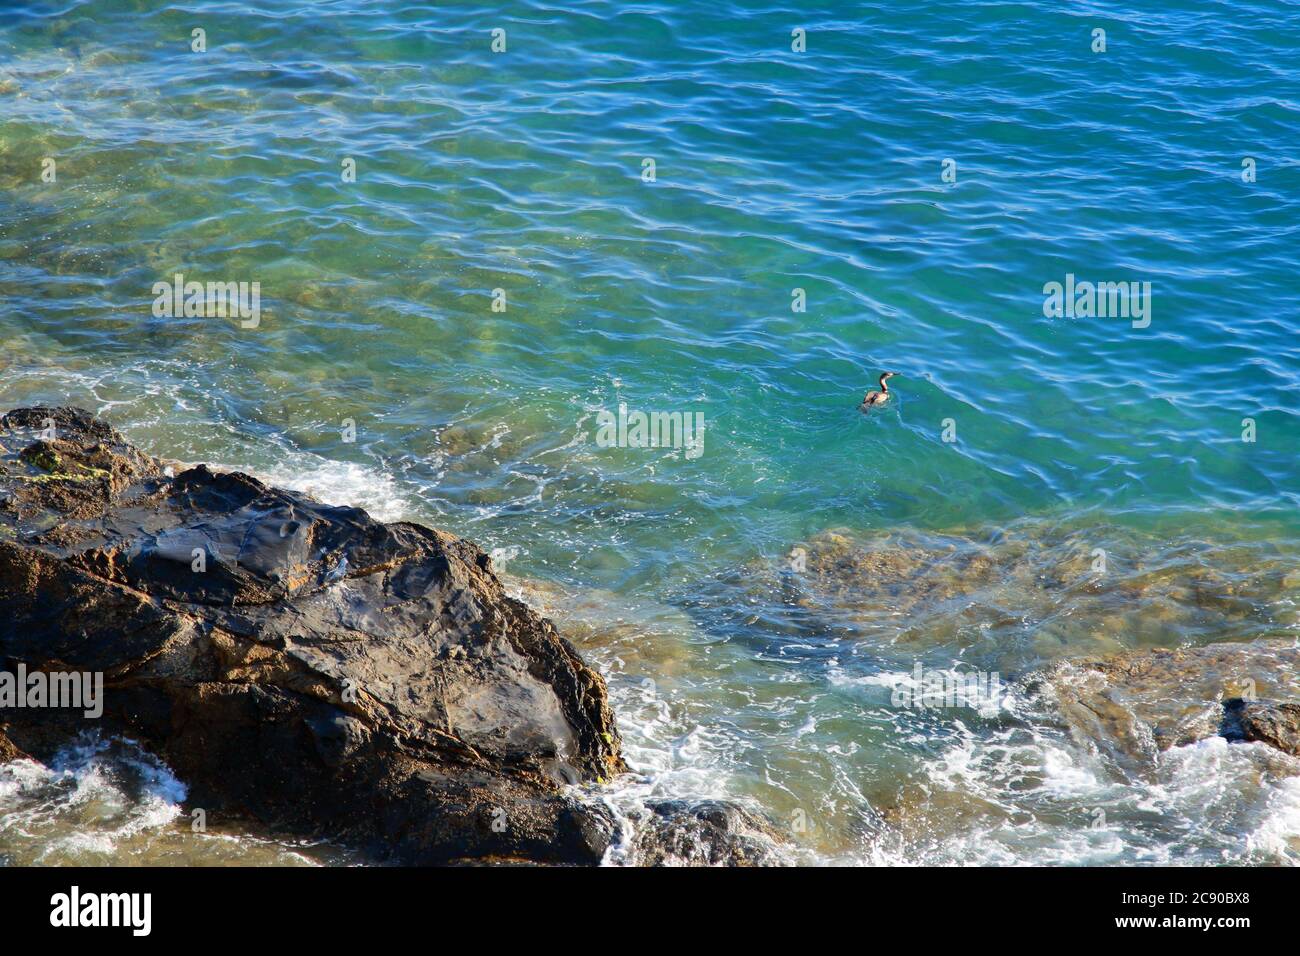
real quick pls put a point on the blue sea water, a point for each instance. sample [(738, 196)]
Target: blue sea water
[(519, 179)]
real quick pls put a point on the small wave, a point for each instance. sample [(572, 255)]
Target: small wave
[(98, 798), (341, 483), (107, 801)]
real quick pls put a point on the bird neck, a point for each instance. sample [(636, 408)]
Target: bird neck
[(884, 384)]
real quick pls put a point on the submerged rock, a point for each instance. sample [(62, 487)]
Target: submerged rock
[(294, 663), (1134, 705), (1014, 597)]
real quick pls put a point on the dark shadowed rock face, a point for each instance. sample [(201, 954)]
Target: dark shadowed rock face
[(1274, 723), (296, 663)]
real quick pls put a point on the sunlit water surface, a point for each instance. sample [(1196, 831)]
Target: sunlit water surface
[(734, 674)]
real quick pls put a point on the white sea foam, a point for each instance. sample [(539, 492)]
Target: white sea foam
[(106, 801), (95, 796), (340, 483), (503, 556), (1278, 833)]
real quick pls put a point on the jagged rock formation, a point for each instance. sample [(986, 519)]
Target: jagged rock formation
[(295, 663)]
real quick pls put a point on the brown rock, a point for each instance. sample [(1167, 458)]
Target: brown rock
[(293, 662), (1276, 724)]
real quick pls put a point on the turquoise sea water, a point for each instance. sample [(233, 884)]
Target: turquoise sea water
[(774, 170)]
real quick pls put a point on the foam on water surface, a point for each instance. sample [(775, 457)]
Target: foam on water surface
[(109, 802)]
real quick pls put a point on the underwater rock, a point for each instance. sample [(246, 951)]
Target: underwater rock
[(294, 663), (1134, 705), (1017, 596)]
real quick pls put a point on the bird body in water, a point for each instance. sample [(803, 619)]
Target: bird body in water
[(875, 399)]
